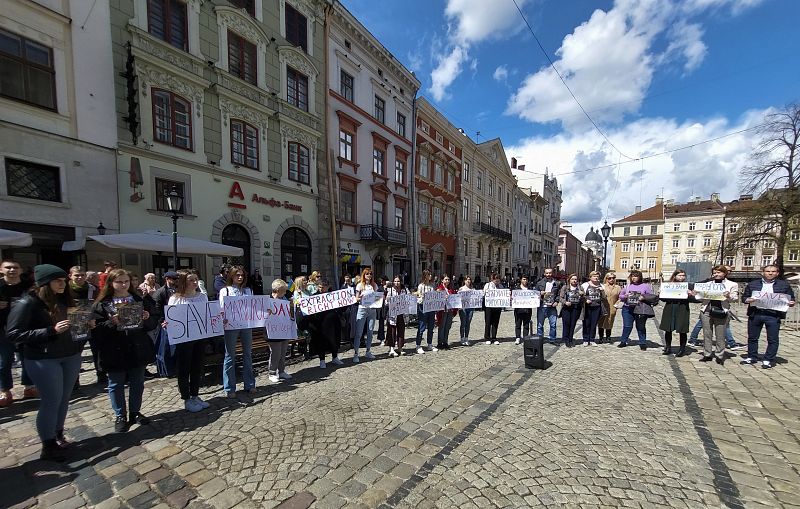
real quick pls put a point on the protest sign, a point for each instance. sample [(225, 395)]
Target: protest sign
[(573, 296), (710, 290), (471, 299), (372, 300), (280, 322), (433, 301), (672, 290), (129, 315), (525, 299), (454, 301), (497, 298), (79, 318), (245, 311), (773, 301), (633, 298), (593, 295), (548, 298), (403, 304), (189, 322), (320, 302)]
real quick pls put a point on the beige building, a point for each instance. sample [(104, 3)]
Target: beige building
[(692, 232), (638, 242)]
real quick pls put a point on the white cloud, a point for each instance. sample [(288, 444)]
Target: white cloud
[(501, 73), (447, 70), (687, 40)]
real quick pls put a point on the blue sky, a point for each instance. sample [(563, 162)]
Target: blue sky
[(655, 75)]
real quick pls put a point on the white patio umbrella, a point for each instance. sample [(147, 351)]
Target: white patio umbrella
[(159, 241), (14, 238)]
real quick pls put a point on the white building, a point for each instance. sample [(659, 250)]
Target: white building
[(692, 232), (57, 128), (547, 187), (523, 211)]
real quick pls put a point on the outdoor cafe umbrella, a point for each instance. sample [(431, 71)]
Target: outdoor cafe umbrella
[(14, 238), (162, 242)]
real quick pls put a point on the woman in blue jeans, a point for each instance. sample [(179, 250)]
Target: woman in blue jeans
[(38, 323), (123, 351), (236, 287), (465, 315), (365, 316), (426, 321), (630, 296)]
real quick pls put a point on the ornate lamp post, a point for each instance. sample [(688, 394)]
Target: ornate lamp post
[(175, 205), (101, 229), (605, 231)]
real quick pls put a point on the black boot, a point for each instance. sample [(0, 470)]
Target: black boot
[(667, 348), (51, 451), (682, 350)]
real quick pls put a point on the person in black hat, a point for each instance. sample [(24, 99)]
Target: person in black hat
[(38, 322)]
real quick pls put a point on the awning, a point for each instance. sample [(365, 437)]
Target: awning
[(162, 242), (350, 258), (15, 238)]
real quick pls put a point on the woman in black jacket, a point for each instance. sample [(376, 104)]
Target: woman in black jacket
[(675, 317), (124, 350), (38, 323)]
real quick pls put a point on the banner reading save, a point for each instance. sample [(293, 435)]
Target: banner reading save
[(325, 301), (188, 322)]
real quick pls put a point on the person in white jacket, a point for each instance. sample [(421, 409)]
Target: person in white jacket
[(716, 314)]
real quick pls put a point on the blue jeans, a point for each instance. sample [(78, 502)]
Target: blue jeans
[(444, 327), (364, 316), (229, 364), (55, 379), (6, 361), (754, 325), (465, 320), (698, 327), (116, 390), (628, 320), (426, 322), (552, 317), (591, 315)]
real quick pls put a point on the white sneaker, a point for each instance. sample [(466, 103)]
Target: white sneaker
[(369, 355), (586, 343), (517, 341), (488, 342), (337, 361), (283, 375), (392, 353), (420, 350), (356, 360), (274, 378), (432, 349), (592, 343), (322, 364), (192, 406), (202, 403), (496, 342), (465, 342)]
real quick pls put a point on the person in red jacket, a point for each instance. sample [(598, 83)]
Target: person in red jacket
[(108, 266), (445, 318)]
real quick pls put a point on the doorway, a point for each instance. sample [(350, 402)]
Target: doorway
[(237, 236), (295, 254)]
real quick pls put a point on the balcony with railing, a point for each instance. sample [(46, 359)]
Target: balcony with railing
[(491, 230), (379, 233)]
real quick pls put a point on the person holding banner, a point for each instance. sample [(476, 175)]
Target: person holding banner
[(325, 329), (425, 320), (465, 314), (767, 300), (716, 315), (189, 355), (593, 307), (550, 289), (444, 318), (571, 297), (634, 293), (491, 316), (611, 290), (123, 354), (675, 317), (522, 316), (277, 346), (396, 323), (236, 286), (366, 314)]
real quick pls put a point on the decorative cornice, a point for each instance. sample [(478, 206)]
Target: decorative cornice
[(149, 48), (290, 133), (255, 94), (149, 77), (234, 20), (232, 109), (298, 116), (295, 58)]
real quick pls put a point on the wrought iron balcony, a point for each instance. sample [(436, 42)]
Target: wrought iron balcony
[(380, 233), (491, 230)]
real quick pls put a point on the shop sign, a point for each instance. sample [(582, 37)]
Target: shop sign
[(237, 193)]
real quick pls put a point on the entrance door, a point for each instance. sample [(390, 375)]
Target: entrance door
[(235, 235), (295, 254)]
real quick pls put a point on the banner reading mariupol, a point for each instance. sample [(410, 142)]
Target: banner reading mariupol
[(773, 301), (189, 322), (281, 323), (246, 311), (525, 299), (325, 301), (499, 298), (710, 290), (454, 301), (403, 304), (672, 290), (434, 301), (471, 299)]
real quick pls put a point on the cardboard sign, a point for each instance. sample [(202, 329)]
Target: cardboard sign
[(593, 296), (548, 298), (280, 322), (434, 301), (320, 302), (79, 318), (524, 299), (773, 301), (372, 300), (403, 304), (454, 301), (193, 321), (129, 315), (471, 299), (711, 290), (633, 298), (499, 298), (671, 290), (246, 311)]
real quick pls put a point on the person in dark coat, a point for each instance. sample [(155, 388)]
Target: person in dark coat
[(675, 317), (325, 330), (123, 353), (38, 323), (758, 316)]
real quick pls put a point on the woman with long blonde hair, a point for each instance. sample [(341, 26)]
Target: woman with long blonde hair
[(366, 315)]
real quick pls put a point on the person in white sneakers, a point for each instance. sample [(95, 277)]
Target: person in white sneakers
[(366, 315), (491, 316), (522, 316), (594, 297), (277, 347), (396, 324), (465, 315), (426, 320)]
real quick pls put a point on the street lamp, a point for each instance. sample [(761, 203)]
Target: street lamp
[(101, 229), (605, 231), (174, 204)]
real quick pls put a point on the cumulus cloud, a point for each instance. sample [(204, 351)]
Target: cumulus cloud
[(501, 73), (687, 40), (447, 70)]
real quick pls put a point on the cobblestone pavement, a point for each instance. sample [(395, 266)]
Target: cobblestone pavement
[(468, 427)]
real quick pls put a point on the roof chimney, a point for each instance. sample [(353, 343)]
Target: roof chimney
[(637, 209), (698, 199), (670, 202), (659, 200), (745, 197), (714, 196)]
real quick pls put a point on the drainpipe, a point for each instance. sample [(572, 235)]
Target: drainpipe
[(329, 163), (412, 187)]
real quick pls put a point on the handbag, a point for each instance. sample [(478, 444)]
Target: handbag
[(644, 309), (715, 312)]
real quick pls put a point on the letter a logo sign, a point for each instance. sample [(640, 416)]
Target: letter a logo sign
[(236, 190)]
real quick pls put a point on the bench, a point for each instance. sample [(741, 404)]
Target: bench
[(215, 351)]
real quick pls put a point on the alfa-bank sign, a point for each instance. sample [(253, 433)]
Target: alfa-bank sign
[(237, 193)]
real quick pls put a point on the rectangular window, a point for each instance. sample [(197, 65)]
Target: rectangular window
[(401, 125), (689, 242), (794, 255), (377, 213), (423, 167), (399, 218), (707, 242), (31, 180), (750, 244), (424, 127), (439, 139), (299, 166), (244, 144), (247, 5), (400, 172), (423, 212), (437, 173), (674, 259), (345, 145), (654, 230), (380, 110), (637, 263), (639, 230), (478, 215), (437, 217), (172, 119), (623, 264), (490, 188), (729, 261), (296, 88), (347, 200), (652, 246), (692, 226), (378, 158), (795, 235), (769, 244), (163, 188), (748, 261), (450, 221), (626, 247), (676, 227), (626, 231), (346, 83), (709, 224), (296, 28), (733, 227), (451, 181), (479, 180), (465, 173), (27, 73), (639, 247), (766, 260), (676, 243), (167, 20), (242, 58), (465, 209), (489, 217), (466, 251)]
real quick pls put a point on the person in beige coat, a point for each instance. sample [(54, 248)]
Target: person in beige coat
[(611, 290)]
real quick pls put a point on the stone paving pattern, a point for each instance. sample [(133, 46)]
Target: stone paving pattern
[(469, 427)]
